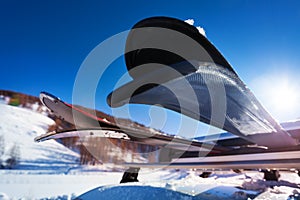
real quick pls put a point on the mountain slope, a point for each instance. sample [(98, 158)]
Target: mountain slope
[(18, 127)]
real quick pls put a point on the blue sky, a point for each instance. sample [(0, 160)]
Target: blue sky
[(43, 43)]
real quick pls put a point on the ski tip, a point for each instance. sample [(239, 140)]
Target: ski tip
[(38, 139), (46, 95), (44, 137)]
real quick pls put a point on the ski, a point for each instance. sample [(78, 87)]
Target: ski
[(201, 84)]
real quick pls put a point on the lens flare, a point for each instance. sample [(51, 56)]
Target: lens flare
[(279, 94)]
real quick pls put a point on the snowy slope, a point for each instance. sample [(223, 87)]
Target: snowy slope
[(220, 185), (157, 184), (49, 170), (19, 127)]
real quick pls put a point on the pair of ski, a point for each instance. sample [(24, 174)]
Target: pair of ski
[(174, 66)]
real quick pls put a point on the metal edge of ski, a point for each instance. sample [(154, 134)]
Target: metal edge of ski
[(109, 133)]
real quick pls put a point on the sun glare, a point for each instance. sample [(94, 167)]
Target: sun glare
[(279, 94), (283, 97)]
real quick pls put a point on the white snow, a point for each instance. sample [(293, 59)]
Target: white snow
[(19, 126), (50, 170), (188, 185), (220, 185), (200, 29)]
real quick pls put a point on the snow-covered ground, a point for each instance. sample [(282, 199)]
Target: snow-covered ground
[(49, 170), (221, 185), (156, 184), (19, 127)]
